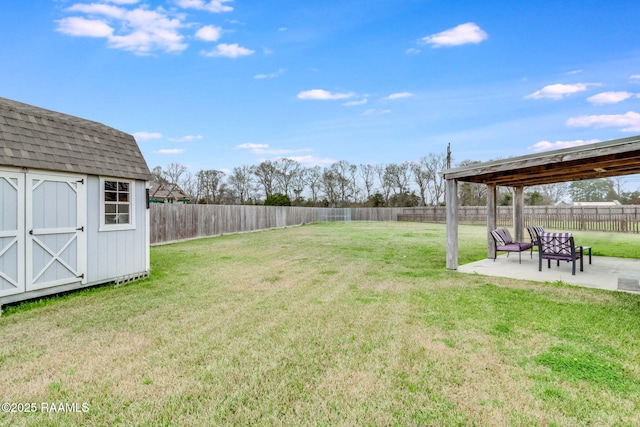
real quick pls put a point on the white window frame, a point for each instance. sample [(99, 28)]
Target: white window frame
[(132, 198)]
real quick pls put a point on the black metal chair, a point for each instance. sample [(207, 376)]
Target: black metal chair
[(504, 242), (559, 247)]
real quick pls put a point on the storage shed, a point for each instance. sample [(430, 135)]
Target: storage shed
[(73, 203)]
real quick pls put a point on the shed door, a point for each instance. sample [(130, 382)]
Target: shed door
[(11, 233), (55, 230)]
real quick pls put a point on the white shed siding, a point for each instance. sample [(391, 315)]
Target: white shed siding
[(115, 254)]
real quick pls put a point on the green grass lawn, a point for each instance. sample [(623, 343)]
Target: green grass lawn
[(327, 324)]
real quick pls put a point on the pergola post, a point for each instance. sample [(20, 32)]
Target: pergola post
[(452, 223), (492, 215), (518, 213)]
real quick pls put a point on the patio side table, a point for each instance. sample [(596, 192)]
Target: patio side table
[(588, 249)]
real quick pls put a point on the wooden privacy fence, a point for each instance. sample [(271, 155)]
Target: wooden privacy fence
[(176, 222), (623, 219)]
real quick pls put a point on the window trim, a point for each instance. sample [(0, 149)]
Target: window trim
[(132, 211)]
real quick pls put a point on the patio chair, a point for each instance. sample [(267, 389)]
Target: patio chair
[(534, 232), (504, 242), (559, 247)]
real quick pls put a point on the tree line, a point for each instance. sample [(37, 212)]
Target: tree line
[(342, 184)]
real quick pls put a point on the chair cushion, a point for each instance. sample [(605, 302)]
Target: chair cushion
[(502, 236), (514, 247)]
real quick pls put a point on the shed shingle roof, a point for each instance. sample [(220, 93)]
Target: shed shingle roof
[(33, 137)]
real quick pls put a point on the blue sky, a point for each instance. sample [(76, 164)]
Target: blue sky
[(215, 84)]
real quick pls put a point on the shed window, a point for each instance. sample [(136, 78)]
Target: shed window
[(117, 209), (117, 198)]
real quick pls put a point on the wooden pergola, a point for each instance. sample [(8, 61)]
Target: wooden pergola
[(606, 159)]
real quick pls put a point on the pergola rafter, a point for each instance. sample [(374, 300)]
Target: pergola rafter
[(606, 159)]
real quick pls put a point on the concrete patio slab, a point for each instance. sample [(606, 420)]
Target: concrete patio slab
[(603, 273)]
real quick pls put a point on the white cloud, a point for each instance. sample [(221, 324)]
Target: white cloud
[(214, 6), (209, 33), (99, 9), (559, 90), (270, 75), (254, 148), (138, 30), (170, 151), (320, 94), (547, 145), (399, 95), (462, 34), (609, 97), (186, 138), (354, 103), (412, 51), (144, 136), (134, 26), (628, 122), (635, 77), (229, 51), (375, 112), (574, 72), (81, 27)]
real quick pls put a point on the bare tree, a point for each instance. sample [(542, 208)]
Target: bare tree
[(266, 173), (330, 186), (553, 193), (397, 177), (368, 175), (422, 177), (158, 175), (173, 172), (470, 193), (241, 183), (211, 186), (384, 183), (434, 164), (189, 185), (618, 184), (313, 179), (286, 171), (345, 176), (298, 184), (342, 178)]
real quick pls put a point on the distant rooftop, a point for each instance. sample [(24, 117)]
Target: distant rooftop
[(597, 204)]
